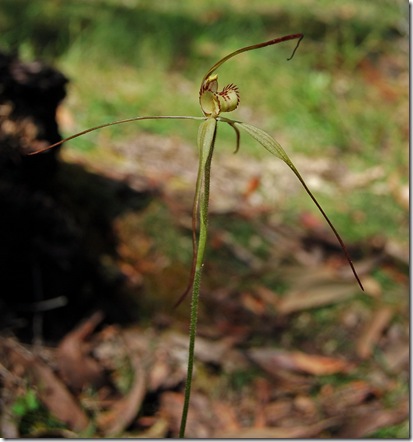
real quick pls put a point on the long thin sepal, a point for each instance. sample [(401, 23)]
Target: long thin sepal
[(114, 123), (252, 47), (276, 149)]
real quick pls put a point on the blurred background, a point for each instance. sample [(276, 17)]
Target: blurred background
[(275, 279)]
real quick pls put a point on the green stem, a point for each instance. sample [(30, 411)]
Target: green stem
[(206, 143)]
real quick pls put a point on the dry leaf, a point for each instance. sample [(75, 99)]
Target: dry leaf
[(171, 405), (278, 410), (320, 365), (336, 401), (262, 389), (50, 389), (305, 405), (199, 422), (365, 420), (160, 371), (122, 413), (298, 362), (158, 430), (225, 416), (76, 367), (313, 297), (279, 432), (398, 252), (208, 351), (397, 356), (373, 331)]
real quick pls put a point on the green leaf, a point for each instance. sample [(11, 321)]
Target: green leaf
[(26, 403), (269, 143), (206, 136)]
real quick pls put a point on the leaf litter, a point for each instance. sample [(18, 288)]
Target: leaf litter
[(287, 347), (258, 373)]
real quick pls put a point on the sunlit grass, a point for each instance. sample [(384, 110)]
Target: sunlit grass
[(147, 58)]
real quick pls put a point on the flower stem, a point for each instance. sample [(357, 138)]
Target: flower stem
[(206, 143)]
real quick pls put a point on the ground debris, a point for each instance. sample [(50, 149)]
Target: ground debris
[(142, 392), (50, 389)]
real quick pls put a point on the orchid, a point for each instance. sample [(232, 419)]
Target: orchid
[(213, 104)]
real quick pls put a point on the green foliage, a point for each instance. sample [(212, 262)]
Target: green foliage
[(400, 431), (33, 416), (25, 404), (239, 379)]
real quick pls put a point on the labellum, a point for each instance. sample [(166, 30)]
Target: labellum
[(214, 102)]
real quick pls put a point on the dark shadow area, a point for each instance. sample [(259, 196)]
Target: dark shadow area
[(55, 218)]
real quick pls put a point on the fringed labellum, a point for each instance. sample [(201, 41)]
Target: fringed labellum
[(213, 102)]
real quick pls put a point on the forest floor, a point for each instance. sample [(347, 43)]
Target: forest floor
[(288, 346)]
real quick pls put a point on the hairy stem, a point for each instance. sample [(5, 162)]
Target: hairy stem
[(206, 141)]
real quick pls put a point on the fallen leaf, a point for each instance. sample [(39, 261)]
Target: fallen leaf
[(160, 371), (373, 331), (267, 296), (167, 369), (51, 391), (285, 379), (397, 356), (298, 361), (397, 251), (313, 297), (364, 421), (336, 401), (225, 416), (252, 185), (305, 405), (76, 367), (252, 303), (199, 421), (157, 431), (320, 365), (171, 405), (262, 388), (122, 413), (277, 410), (305, 431), (208, 351)]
